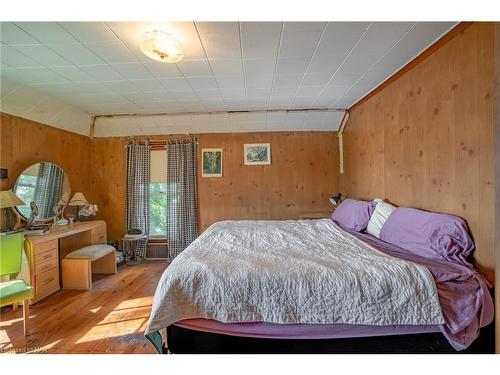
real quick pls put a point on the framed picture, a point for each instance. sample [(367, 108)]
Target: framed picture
[(257, 154), (211, 162)]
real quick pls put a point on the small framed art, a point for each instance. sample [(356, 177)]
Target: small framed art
[(257, 153), (211, 162)]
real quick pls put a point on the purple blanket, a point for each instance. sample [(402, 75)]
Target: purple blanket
[(463, 292)]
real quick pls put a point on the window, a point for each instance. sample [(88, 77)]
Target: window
[(158, 194), (25, 189)]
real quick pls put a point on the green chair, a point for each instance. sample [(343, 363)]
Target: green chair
[(14, 291)]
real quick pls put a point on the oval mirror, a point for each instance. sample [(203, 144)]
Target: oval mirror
[(46, 184)]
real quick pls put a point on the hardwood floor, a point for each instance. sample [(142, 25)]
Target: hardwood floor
[(109, 318)]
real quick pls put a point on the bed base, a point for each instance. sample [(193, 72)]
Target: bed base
[(186, 341)]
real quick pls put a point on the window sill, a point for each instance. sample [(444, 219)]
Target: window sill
[(158, 240)]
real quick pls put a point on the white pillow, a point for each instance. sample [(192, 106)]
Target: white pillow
[(379, 216)]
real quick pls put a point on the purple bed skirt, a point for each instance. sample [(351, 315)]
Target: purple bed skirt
[(301, 331)]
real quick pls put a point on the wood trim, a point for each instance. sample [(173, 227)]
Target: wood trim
[(158, 241), (417, 60), (343, 123), (92, 127)]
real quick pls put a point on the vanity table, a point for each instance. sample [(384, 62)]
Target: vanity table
[(45, 186), (45, 253)]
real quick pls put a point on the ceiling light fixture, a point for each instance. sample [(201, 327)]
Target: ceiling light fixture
[(161, 46)]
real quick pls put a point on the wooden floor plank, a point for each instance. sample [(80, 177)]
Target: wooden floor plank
[(109, 318)]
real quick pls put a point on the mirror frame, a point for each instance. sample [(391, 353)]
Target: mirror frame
[(21, 218)]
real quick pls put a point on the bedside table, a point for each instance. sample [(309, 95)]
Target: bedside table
[(315, 215)]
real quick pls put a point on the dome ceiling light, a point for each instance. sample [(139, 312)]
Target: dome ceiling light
[(161, 46)]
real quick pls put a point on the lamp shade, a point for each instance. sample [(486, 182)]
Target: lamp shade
[(9, 199), (78, 200)]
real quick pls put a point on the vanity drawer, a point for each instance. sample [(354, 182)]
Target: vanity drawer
[(41, 267), (47, 282), (46, 246), (46, 256)]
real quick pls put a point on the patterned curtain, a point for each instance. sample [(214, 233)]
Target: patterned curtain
[(137, 196), (48, 189), (182, 210)]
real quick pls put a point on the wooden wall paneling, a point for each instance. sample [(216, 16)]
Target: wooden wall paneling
[(108, 160), (497, 181), (302, 175), (25, 142), (426, 139)]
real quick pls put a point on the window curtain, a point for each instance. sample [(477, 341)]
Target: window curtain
[(48, 188), (182, 210), (137, 197)]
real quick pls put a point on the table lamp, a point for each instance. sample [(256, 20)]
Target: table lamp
[(9, 200), (78, 200)]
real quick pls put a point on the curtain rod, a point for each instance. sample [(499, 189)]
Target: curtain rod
[(162, 142)]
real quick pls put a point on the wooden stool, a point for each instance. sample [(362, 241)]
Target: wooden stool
[(78, 266)]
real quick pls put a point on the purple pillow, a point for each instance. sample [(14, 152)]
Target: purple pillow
[(353, 214), (429, 234)]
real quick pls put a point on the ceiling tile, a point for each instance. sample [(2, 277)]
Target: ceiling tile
[(259, 66), (87, 32), (232, 93), (112, 52), (121, 86), (102, 72), (325, 63), (316, 79), (12, 35), (259, 81), (76, 53), (309, 91), (43, 55), (10, 56), (8, 86), (260, 39), (257, 93), (230, 82), (147, 85), (222, 46), (202, 83), (294, 65), (133, 71), (162, 70), (287, 80), (211, 94), (72, 73), (206, 28), (194, 68), (304, 26), (46, 32), (343, 79), (340, 37), (33, 76), (176, 84), (227, 67), (299, 43)]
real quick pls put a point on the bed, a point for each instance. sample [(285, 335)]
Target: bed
[(313, 286)]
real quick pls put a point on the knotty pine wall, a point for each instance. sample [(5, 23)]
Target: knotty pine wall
[(25, 142), (427, 139), (303, 174)]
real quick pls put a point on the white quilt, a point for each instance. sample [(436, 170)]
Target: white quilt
[(307, 271)]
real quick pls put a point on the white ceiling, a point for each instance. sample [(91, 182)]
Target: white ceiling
[(91, 68)]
